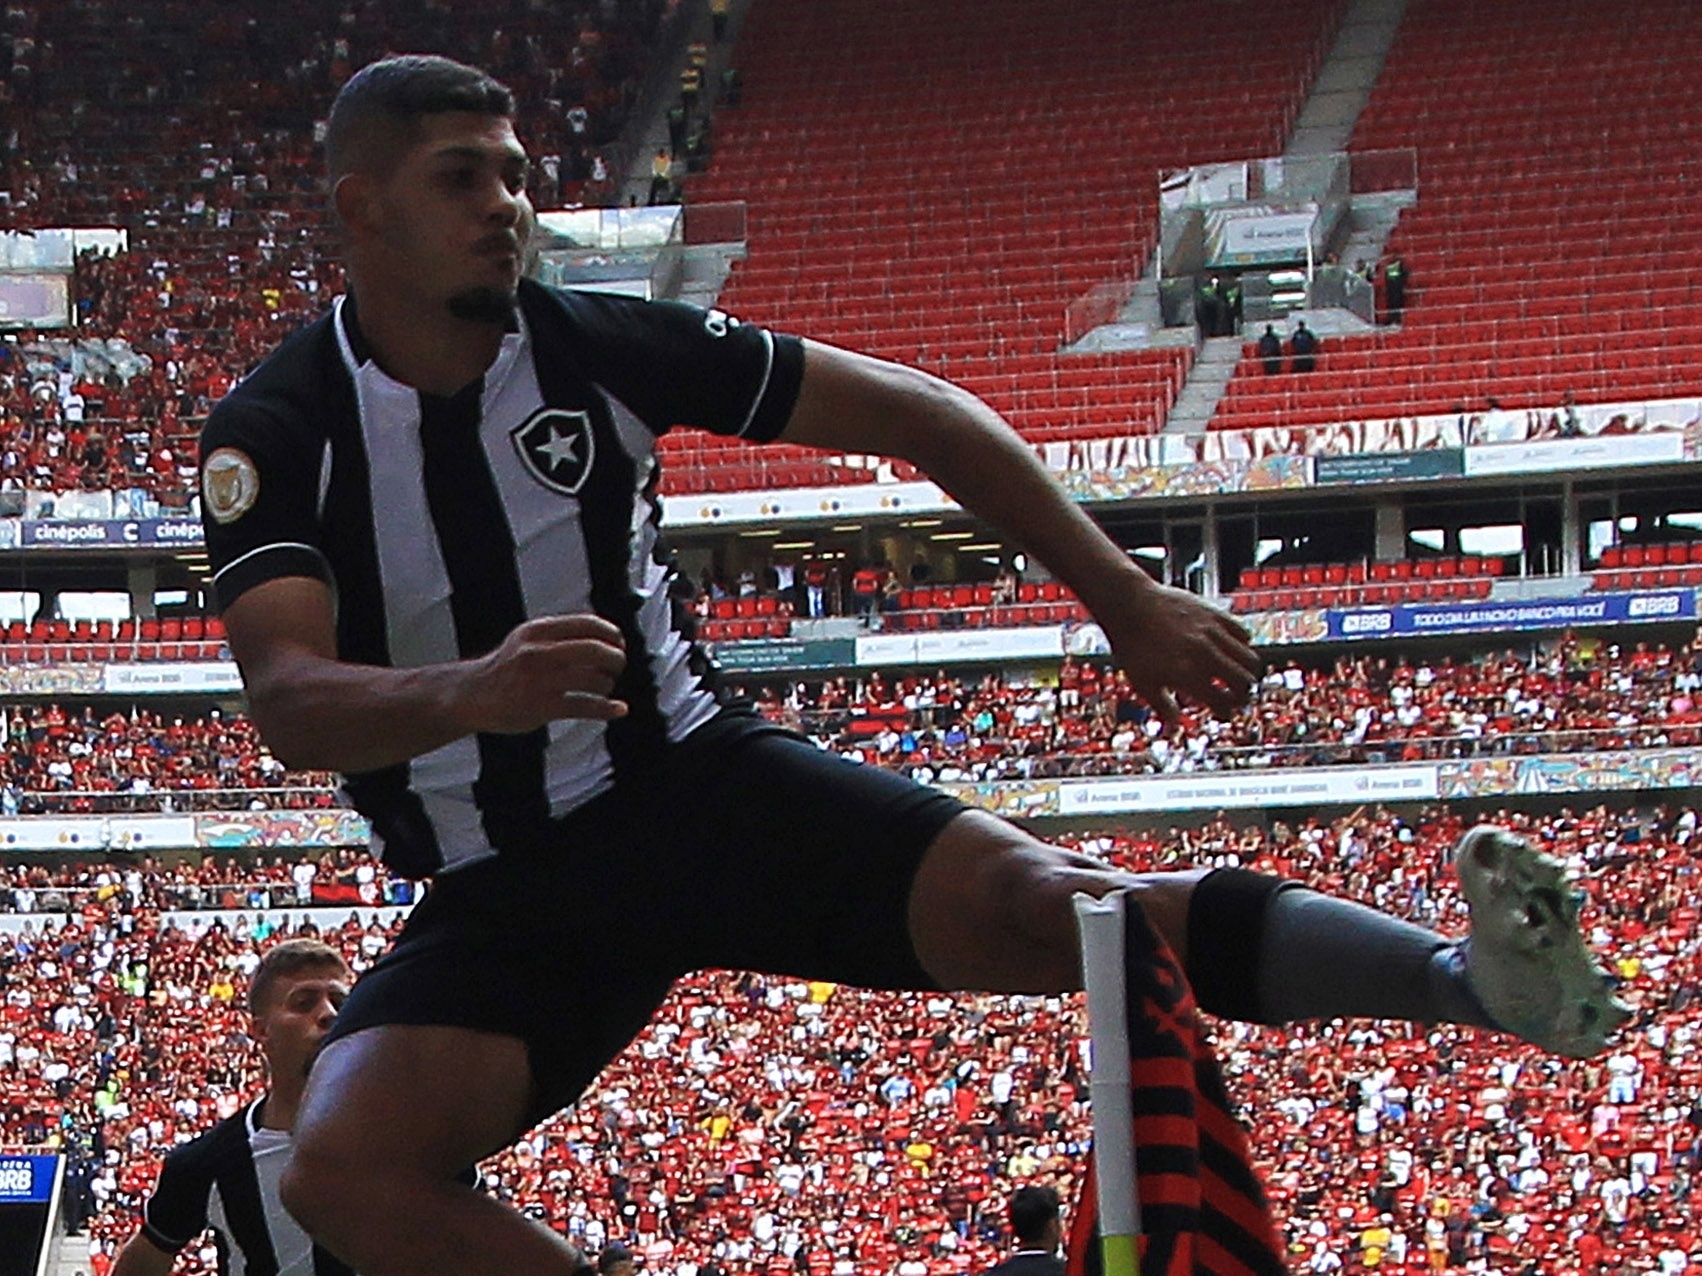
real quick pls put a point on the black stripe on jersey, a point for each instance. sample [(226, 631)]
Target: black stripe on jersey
[(605, 520), (385, 796), (485, 600), (245, 1211)]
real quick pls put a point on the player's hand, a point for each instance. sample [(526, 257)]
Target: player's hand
[(1172, 643), (546, 669)]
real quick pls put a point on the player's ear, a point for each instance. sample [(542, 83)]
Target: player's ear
[(354, 198)]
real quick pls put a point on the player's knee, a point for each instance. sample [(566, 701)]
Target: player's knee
[(304, 1190), (320, 1191)]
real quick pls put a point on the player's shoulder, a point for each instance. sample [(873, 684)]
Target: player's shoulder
[(289, 387), (595, 315), (211, 1152)]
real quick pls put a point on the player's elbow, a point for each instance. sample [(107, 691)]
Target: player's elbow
[(278, 708), (939, 418)]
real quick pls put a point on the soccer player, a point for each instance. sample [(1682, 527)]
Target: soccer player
[(227, 1179), (434, 524)]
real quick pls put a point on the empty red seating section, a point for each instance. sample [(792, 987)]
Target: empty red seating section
[(1664, 566), (1554, 246), (1360, 584), (744, 619), (935, 181), (103, 641), (979, 606)]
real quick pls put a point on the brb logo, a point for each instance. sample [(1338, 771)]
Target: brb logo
[(1367, 622), (1653, 605), (17, 1178)]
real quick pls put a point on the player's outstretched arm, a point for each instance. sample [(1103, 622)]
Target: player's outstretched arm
[(1168, 640), (141, 1257), (317, 712)]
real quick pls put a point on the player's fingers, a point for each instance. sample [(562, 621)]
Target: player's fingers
[(1222, 698), (582, 704), (573, 654), (579, 625), (1232, 643), (1224, 664), (1234, 628), (1164, 705)]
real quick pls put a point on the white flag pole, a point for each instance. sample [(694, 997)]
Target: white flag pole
[(1101, 924)]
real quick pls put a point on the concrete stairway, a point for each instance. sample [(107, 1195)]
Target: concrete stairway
[(1205, 385), (1325, 124), (1347, 77)]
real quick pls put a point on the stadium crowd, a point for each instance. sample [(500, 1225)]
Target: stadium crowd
[(199, 141), (1580, 695), (769, 1125), (71, 761), (347, 876)]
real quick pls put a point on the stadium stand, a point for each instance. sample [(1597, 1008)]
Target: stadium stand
[(944, 208), (350, 877), (76, 760), (769, 1125), (1578, 696), (1443, 578), (1551, 246), (207, 161)]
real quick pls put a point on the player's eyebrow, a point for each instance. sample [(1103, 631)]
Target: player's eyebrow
[(502, 154)]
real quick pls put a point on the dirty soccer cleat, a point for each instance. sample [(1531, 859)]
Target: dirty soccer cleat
[(1525, 959)]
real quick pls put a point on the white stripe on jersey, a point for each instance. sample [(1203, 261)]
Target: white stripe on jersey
[(219, 1221), (292, 1248), (554, 569), (685, 703)]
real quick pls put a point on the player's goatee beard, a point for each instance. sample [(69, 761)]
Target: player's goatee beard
[(483, 305)]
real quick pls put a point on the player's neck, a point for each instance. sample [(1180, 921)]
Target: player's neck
[(438, 354), (282, 1102)]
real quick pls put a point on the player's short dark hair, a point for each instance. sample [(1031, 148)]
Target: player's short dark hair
[(611, 1255), (291, 957), (1032, 1209), (378, 111)]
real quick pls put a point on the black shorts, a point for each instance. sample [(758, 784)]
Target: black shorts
[(750, 849)]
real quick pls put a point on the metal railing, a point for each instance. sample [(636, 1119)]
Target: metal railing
[(175, 896), (298, 797), (1049, 764)]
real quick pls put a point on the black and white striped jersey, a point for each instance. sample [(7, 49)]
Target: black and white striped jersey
[(227, 1180), (442, 523)]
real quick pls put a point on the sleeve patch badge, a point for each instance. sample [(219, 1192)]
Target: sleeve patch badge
[(229, 484)]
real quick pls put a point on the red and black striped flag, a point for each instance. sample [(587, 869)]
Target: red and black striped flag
[(1202, 1206)]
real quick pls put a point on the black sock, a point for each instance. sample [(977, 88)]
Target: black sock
[(1265, 950), (1326, 958)]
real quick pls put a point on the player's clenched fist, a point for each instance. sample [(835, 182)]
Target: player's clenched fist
[(549, 668)]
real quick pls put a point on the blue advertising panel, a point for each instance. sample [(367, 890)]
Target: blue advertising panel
[(26, 1179), (1410, 619), (115, 533)]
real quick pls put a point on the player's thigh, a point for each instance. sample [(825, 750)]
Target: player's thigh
[(419, 1099), (530, 950), (992, 906), (798, 862)]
